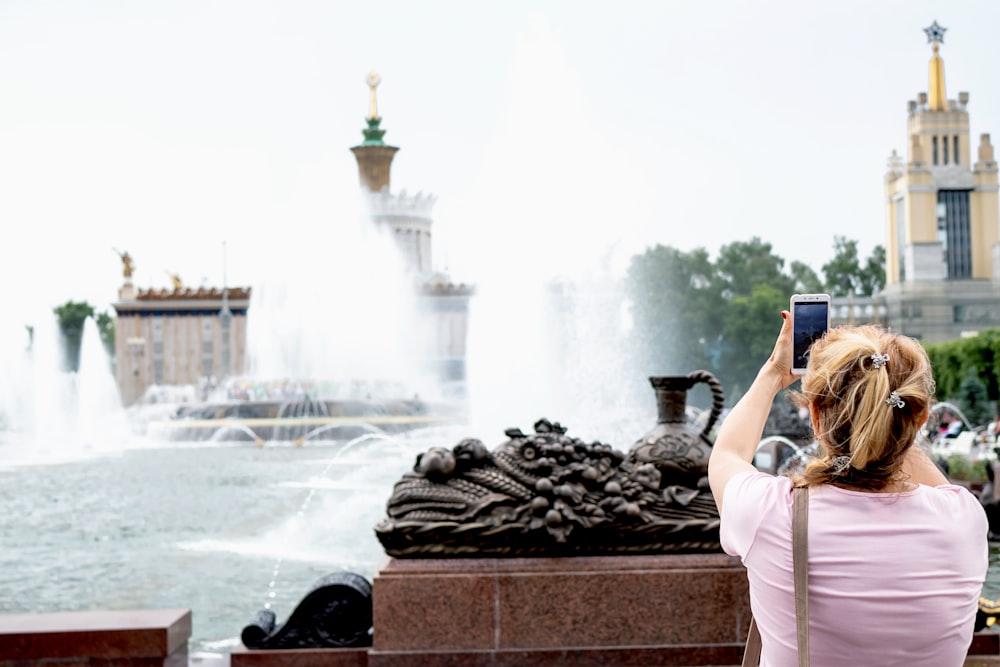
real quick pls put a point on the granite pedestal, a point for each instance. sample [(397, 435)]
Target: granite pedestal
[(603, 610), (633, 611)]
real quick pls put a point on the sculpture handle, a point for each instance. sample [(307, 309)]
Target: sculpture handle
[(718, 398)]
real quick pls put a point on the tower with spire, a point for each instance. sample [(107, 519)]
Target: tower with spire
[(943, 220), (408, 217), (444, 305), (374, 156)]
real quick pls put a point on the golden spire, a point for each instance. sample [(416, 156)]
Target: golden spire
[(935, 91), (373, 80)]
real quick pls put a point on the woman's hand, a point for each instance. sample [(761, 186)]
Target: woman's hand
[(779, 365)]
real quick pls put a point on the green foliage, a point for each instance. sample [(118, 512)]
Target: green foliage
[(106, 327), (689, 312), (972, 398), (674, 309), (806, 280), (872, 276), (845, 275), (962, 468), (754, 289), (947, 368), (841, 272), (742, 265), (966, 372), (751, 325), (71, 316)]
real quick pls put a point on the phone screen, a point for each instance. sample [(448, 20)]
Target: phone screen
[(810, 322)]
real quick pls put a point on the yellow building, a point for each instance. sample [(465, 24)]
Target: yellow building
[(942, 255)]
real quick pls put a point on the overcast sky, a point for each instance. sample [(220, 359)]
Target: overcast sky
[(571, 134)]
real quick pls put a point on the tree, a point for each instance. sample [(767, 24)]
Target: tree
[(961, 365), (689, 312), (872, 278), (71, 316), (750, 329), (972, 398), (842, 272), (741, 265), (106, 327), (674, 308), (756, 289), (806, 280)]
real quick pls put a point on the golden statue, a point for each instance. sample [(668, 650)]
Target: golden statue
[(175, 278), (128, 266), (373, 80)]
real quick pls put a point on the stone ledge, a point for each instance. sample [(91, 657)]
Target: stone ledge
[(300, 657), (986, 643), (667, 656), (644, 656), (108, 637), (410, 567)]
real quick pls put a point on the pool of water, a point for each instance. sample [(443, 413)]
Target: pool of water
[(222, 529)]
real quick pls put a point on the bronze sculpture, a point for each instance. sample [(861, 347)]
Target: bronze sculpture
[(539, 494), (549, 494)]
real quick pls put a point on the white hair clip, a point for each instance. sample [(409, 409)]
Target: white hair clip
[(840, 464), (895, 400), (879, 360)]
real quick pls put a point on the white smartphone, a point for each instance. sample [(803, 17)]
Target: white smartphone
[(810, 320)]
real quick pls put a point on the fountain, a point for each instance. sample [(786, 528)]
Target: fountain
[(345, 292), (50, 414), (101, 421), (15, 344), (218, 526), (335, 344), (332, 308)]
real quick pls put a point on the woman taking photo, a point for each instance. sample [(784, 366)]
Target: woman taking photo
[(896, 555)]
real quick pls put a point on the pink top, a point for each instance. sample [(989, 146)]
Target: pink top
[(894, 579)]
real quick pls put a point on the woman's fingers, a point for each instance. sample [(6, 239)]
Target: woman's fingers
[(781, 357)]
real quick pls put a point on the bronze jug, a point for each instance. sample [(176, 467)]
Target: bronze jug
[(678, 450)]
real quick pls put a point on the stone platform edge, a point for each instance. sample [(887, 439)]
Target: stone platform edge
[(148, 636), (984, 652)]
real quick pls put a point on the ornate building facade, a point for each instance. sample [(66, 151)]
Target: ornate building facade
[(181, 336), (943, 221)]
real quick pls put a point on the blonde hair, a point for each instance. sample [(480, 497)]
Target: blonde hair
[(849, 390)]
